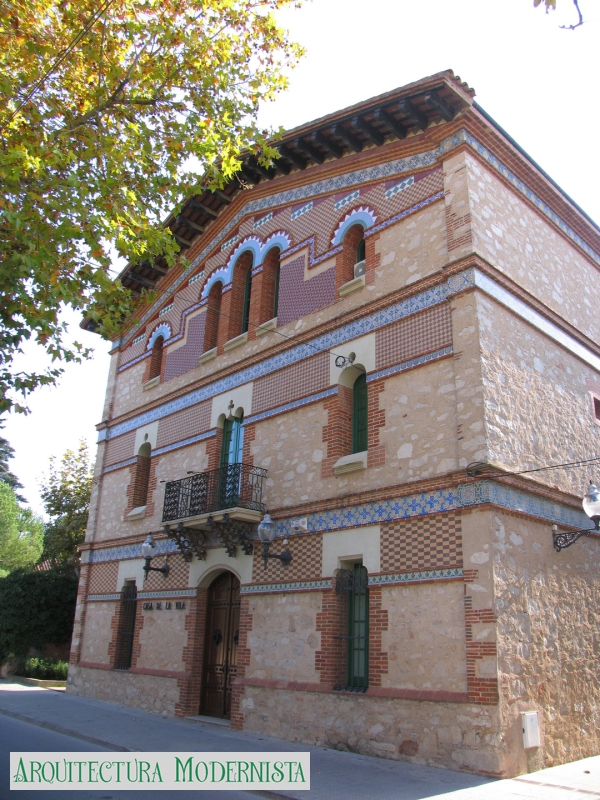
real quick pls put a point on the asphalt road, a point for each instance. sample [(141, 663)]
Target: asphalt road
[(20, 736)]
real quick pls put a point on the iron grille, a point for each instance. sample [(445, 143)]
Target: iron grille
[(231, 486), (353, 640), (126, 627)]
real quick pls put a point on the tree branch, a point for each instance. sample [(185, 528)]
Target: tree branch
[(572, 27)]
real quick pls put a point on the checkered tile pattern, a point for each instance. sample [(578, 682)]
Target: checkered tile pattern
[(184, 424), (422, 543), (185, 358), (119, 449), (103, 578), (411, 337), (301, 379), (178, 576), (307, 553)]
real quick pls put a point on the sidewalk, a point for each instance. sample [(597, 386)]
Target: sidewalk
[(334, 775)]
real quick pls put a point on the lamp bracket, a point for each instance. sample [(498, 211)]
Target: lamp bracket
[(190, 541), (284, 557), (565, 539)]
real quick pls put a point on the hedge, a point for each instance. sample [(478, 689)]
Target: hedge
[(36, 608)]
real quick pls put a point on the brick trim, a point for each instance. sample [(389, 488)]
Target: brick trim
[(378, 623), (483, 691), (236, 718), (189, 682)]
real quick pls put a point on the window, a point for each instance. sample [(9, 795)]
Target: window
[(276, 293), (352, 253), (230, 474), (360, 415), (213, 313), (247, 295), (141, 477), (360, 251), (126, 626), (596, 401), (156, 358), (269, 299), (353, 592)]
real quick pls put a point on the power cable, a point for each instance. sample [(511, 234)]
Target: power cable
[(474, 469), (58, 61)]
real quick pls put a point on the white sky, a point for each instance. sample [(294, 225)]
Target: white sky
[(537, 81)]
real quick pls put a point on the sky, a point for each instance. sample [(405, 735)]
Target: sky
[(537, 81)]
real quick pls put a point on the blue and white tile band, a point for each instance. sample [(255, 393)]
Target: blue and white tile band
[(416, 577), (414, 505), (292, 586)]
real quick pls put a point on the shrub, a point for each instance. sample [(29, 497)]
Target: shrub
[(43, 669), (38, 607)]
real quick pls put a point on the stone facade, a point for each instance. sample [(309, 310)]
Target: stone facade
[(476, 344)]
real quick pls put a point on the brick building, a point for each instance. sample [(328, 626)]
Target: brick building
[(404, 293)]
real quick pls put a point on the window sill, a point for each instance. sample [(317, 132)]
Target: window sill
[(137, 513), (352, 286), (351, 463), (266, 327), (233, 343), (208, 356), (152, 383)]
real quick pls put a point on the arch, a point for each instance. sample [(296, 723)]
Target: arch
[(164, 330), (239, 298), (220, 275), (141, 476), (363, 216), (156, 358), (278, 239), (270, 285), (213, 572), (352, 244), (213, 316)]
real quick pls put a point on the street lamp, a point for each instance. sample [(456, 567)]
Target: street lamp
[(266, 534), (591, 506), (148, 552)]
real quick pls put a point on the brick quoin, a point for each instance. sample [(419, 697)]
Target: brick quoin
[(249, 437), (328, 660), (243, 661), (213, 449), (483, 691), (458, 229), (80, 611), (190, 686), (372, 259), (337, 433), (378, 622)]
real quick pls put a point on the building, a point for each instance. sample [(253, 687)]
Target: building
[(376, 338)]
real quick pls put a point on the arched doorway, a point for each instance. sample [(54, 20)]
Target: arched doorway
[(220, 646)]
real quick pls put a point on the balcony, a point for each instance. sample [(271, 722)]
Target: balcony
[(234, 491)]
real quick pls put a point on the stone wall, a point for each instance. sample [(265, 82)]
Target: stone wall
[(147, 692)]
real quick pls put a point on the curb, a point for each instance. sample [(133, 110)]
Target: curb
[(66, 731)]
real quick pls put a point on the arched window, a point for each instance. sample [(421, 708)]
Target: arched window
[(213, 314), (241, 290), (156, 358), (360, 415), (270, 285), (141, 477), (353, 253)]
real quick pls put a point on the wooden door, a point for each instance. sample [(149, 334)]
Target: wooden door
[(220, 648)]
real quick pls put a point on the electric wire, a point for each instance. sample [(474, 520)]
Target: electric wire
[(58, 61), (476, 467)]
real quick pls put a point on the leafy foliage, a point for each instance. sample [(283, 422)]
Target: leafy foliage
[(110, 111), (66, 496), (43, 669), (21, 533), (38, 607), (6, 476)]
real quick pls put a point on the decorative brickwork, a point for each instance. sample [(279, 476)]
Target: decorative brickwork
[(307, 553), (306, 377), (298, 297), (138, 489), (179, 571), (458, 229), (376, 457), (378, 623), (233, 322), (479, 690), (193, 657), (337, 432), (119, 449), (185, 358), (425, 332), (249, 437), (184, 424), (156, 359), (243, 661), (213, 316), (103, 578), (328, 658), (421, 543), (265, 300), (80, 609)]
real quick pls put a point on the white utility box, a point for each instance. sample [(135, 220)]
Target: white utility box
[(531, 729)]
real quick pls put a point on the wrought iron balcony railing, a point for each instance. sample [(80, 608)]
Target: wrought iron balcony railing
[(232, 486)]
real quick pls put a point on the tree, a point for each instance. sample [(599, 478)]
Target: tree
[(6, 476), (111, 110), (550, 5), (66, 497), (21, 533)]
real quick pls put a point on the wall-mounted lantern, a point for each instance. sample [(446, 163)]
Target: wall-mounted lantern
[(266, 534), (148, 552), (591, 506)]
